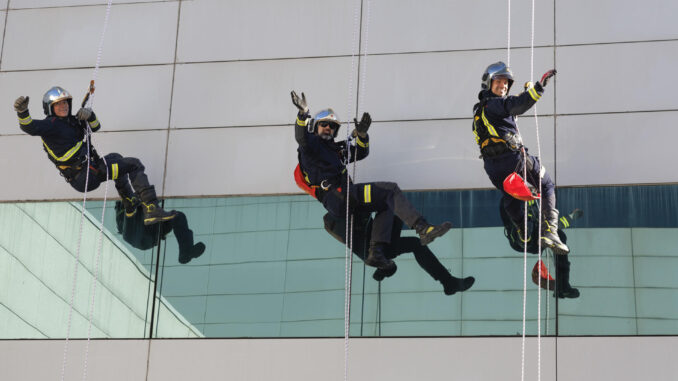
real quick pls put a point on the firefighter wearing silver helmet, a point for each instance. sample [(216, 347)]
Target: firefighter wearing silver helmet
[(63, 138), (323, 165), (501, 147)]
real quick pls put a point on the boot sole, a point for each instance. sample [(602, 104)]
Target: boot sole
[(384, 266), (558, 250), (425, 240)]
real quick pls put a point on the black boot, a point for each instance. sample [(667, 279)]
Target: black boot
[(186, 254), (452, 285), (129, 199), (381, 274), (563, 287), (153, 213), (520, 228), (549, 234), (427, 232), (130, 204), (377, 257)]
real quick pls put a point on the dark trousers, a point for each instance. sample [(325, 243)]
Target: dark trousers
[(145, 237), (127, 172), (363, 226), (500, 166), (384, 198)]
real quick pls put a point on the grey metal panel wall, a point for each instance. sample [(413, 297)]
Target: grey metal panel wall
[(237, 62), (582, 358)]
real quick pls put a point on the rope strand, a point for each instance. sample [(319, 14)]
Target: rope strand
[(536, 122), (348, 233), (88, 133)]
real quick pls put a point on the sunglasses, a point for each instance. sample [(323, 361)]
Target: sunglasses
[(334, 126)]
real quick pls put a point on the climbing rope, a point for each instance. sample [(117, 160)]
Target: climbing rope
[(88, 132), (357, 23), (508, 36), (539, 217), (349, 218)]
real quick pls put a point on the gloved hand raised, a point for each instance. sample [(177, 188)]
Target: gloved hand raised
[(364, 124), (21, 104), (545, 78), (300, 103), (83, 114)]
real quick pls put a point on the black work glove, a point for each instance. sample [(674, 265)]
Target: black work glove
[(21, 104), (300, 103), (545, 78), (362, 126), (83, 114)]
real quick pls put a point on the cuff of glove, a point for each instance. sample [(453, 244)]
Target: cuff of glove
[(23, 114), (361, 135), (92, 117), (538, 86), (303, 115)]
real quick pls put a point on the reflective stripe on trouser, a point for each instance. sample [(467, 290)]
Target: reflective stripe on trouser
[(127, 172), (384, 198)]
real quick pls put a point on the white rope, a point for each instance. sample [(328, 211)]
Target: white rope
[(539, 216), (508, 34), (88, 133), (101, 48), (349, 218), (522, 358), (75, 270), (363, 63), (97, 267)]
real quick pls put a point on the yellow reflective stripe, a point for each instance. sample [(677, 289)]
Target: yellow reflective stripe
[(114, 169), (67, 155), (367, 190), (564, 221), (26, 120), (361, 143), (94, 124), (475, 129), (533, 93), (302, 123), (490, 128)]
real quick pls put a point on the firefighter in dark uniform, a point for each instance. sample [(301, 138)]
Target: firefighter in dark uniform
[(323, 163), (501, 147), (362, 230), (63, 138), (561, 287)]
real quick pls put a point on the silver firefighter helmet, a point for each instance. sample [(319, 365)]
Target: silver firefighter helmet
[(497, 70), (54, 95), (327, 116)]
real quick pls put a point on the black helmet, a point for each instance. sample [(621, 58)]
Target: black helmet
[(497, 69), (54, 95), (327, 115)]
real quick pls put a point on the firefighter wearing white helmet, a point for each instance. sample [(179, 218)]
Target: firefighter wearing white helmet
[(63, 139), (501, 147), (323, 164)]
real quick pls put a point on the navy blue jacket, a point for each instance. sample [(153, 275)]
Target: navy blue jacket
[(494, 116), (62, 138), (322, 159)]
